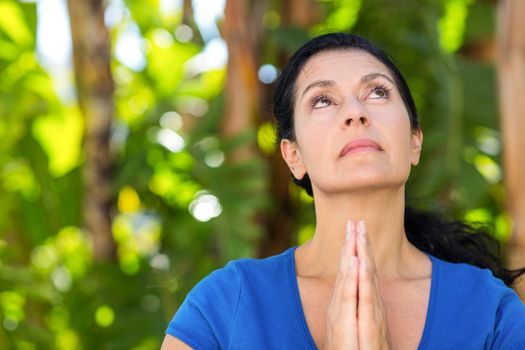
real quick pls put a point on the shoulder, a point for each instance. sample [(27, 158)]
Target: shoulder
[(469, 279), (472, 298), (210, 311), (463, 286), (246, 271), (257, 270), (224, 286)]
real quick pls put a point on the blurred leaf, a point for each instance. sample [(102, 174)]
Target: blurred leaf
[(61, 138), (13, 24)]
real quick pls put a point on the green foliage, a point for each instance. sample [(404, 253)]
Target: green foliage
[(181, 206)]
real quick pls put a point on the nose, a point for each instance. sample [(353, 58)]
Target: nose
[(355, 115), (363, 120)]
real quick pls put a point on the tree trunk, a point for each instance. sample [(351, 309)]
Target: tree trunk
[(281, 223), (92, 58), (241, 29), (299, 13), (511, 70)]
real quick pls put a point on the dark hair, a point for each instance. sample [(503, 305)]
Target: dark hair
[(453, 241)]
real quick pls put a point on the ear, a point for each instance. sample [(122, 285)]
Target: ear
[(292, 156), (416, 145)]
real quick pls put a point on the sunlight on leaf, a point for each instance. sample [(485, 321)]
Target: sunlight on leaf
[(67, 339), (19, 177), (478, 215), (166, 63), (13, 24), (128, 200), (343, 18), (8, 51), (129, 260), (173, 187), (453, 23), (267, 138), (503, 227), (12, 304), (206, 85), (487, 167), (44, 257), (182, 161), (300, 193), (122, 228), (133, 102), (138, 237), (64, 257), (305, 234), (61, 138), (104, 316), (75, 250), (40, 84)]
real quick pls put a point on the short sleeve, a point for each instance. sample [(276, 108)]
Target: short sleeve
[(509, 332), (206, 317)]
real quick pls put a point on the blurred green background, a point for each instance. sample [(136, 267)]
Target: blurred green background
[(190, 176)]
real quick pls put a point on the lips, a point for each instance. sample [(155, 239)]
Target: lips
[(360, 145)]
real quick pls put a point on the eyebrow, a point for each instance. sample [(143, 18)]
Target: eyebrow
[(364, 79), (373, 76)]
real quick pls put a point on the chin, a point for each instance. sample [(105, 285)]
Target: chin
[(362, 183)]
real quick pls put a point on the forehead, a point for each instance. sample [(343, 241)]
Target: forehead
[(340, 64)]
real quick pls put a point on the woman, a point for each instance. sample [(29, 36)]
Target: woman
[(375, 275)]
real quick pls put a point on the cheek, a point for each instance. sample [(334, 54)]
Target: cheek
[(312, 144), (399, 135), (313, 127)]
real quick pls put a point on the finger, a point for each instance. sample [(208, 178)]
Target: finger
[(348, 288), (351, 237), (342, 332), (346, 279), (350, 284), (345, 260), (371, 320), (364, 249), (348, 302), (371, 314), (367, 322), (367, 272)]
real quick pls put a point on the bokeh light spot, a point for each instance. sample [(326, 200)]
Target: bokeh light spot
[(205, 207), (267, 73), (104, 316)]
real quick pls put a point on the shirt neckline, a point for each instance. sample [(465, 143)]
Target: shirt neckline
[(434, 282)]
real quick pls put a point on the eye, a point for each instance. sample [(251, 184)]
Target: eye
[(321, 101), (380, 91)]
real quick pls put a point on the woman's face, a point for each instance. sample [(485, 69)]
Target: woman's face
[(351, 125)]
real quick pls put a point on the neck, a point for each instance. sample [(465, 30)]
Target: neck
[(383, 212)]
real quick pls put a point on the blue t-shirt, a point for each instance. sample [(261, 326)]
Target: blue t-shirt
[(255, 304)]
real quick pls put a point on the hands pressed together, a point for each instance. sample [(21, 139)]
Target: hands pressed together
[(356, 317)]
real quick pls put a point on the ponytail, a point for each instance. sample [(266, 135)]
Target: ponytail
[(457, 242)]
